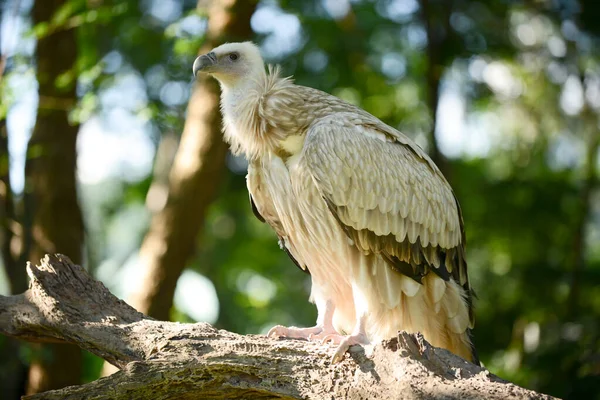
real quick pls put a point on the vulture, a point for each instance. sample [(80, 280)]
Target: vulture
[(354, 202)]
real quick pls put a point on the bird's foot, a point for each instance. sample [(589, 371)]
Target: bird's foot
[(344, 343), (326, 331), (295, 333)]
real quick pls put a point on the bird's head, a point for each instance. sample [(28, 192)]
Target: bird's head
[(231, 62)]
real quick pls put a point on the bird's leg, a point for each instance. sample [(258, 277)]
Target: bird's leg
[(325, 321), (324, 325), (359, 334)]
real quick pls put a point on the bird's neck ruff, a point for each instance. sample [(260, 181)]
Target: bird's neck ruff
[(247, 128)]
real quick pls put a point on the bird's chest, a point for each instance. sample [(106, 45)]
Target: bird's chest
[(314, 237), (296, 199)]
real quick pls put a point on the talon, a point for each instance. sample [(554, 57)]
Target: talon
[(277, 331), (339, 355), (344, 343), (333, 338)]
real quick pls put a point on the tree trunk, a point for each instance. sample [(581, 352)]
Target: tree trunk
[(435, 15), (9, 227), (586, 123), (165, 360), (194, 177), (12, 369), (50, 182)]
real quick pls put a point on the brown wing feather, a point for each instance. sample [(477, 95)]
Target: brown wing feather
[(389, 198)]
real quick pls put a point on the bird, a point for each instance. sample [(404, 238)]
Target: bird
[(354, 202)]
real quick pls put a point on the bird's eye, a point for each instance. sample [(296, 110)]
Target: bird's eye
[(234, 56)]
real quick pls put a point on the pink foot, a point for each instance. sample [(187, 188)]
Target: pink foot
[(294, 333), (344, 343)]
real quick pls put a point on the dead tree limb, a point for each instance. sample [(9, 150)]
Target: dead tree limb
[(167, 360)]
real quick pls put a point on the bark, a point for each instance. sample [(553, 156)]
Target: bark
[(166, 360), (194, 177), (50, 190)]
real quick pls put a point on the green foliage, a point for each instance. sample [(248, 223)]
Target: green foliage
[(513, 64)]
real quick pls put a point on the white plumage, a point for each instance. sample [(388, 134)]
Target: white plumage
[(353, 201)]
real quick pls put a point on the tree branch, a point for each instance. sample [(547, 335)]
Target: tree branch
[(166, 360)]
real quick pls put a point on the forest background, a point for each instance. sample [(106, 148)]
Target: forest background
[(101, 159)]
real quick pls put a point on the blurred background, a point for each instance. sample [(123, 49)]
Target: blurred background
[(111, 154)]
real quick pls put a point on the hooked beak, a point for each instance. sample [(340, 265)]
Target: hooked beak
[(203, 62)]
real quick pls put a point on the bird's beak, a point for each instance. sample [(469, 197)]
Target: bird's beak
[(204, 62)]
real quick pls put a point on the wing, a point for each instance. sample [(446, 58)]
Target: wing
[(388, 196), (261, 204)]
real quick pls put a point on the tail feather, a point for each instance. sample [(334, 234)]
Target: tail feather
[(437, 308)]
